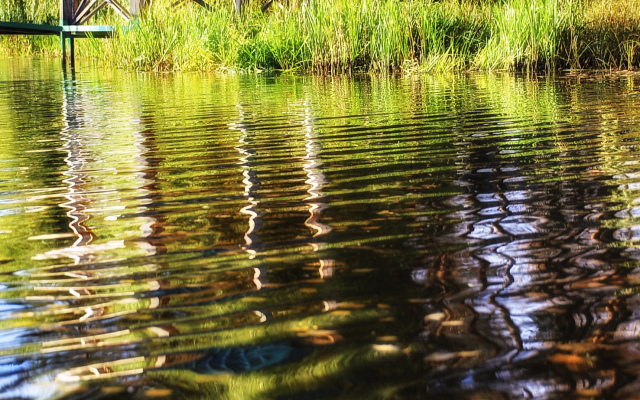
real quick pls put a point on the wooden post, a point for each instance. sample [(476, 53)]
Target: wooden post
[(66, 12), (239, 6), (72, 55), (63, 49), (66, 18), (136, 7)]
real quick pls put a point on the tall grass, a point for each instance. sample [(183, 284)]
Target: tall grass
[(607, 35), (523, 33), (342, 36), (40, 12)]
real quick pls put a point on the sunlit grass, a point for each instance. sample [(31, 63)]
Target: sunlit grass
[(608, 34), (523, 33), (341, 36)]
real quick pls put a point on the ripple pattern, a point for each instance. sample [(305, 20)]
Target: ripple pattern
[(290, 237)]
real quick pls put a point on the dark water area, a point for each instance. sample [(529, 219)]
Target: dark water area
[(198, 236)]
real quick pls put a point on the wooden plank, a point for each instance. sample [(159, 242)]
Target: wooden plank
[(88, 10), (80, 9), (18, 28), (84, 10), (76, 31), (119, 9), (92, 12), (81, 5), (80, 31)]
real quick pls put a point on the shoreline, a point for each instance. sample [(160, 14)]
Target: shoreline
[(584, 73), (344, 37)]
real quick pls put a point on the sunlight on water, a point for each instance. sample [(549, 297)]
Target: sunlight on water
[(236, 237)]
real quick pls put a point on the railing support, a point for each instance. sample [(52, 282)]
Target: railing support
[(76, 12), (66, 12), (66, 18), (200, 2), (72, 53), (63, 49)]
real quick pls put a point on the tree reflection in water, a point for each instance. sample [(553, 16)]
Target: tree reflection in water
[(531, 305)]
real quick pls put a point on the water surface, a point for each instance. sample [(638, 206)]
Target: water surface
[(197, 236)]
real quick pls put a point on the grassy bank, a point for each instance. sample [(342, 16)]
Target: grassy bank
[(338, 36)]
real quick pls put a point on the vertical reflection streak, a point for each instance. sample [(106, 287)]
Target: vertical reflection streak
[(76, 162), (251, 185), (145, 175), (316, 181)]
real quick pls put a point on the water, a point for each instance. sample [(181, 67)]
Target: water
[(197, 236)]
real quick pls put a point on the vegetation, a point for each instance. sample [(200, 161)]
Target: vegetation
[(338, 36)]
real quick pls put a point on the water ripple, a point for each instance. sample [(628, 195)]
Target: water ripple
[(192, 236)]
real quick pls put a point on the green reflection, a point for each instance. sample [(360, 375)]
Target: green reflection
[(151, 221)]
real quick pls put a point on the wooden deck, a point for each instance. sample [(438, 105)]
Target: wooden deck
[(69, 31)]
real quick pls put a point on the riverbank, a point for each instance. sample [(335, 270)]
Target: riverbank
[(342, 36)]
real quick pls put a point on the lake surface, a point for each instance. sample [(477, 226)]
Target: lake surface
[(198, 236)]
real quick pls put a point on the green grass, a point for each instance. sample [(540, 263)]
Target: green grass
[(343, 36)]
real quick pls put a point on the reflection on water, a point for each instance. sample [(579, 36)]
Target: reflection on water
[(196, 236)]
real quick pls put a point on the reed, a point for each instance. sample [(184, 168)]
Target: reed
[(28, 11), (343, 36), (523, 33), (607, 35)]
